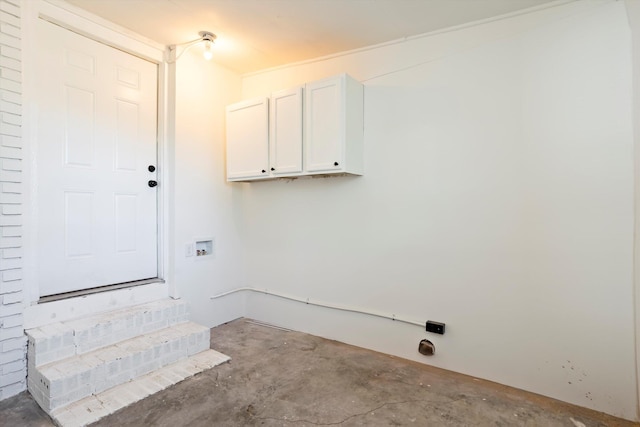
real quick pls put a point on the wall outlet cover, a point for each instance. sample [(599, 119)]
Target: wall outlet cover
[(189, 249), (435, 327)]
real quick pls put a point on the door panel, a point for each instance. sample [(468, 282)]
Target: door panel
[(79, 114), (323, 125), (285, 142), (78, 217), (126, 129), (248, 139), (126, 214), (97, 112)]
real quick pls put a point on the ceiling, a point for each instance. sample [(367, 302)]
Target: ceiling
[(258, 34)]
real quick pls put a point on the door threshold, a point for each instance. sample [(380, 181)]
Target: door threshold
[(99, 289)]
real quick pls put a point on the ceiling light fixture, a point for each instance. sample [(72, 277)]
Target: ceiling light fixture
[(209, 39), (206, 37)]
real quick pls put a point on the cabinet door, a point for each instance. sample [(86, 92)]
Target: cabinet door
[(285, 143), (324, 125), (248, 139)]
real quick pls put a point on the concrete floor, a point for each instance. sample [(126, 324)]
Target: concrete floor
[(282, 378)]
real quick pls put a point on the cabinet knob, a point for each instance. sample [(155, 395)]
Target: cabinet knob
[(273, 169), (263, 171), (335, 164), (152, 183)]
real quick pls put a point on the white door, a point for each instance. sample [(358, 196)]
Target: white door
[(97, 213)]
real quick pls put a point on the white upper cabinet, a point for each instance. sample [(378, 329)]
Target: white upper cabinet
[(333, 126), (248, 140), (312, 130), (285, 137)]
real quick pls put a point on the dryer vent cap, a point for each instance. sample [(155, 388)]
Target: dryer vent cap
[(427, 348)]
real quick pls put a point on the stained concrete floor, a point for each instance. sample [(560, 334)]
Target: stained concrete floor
[(284, 378)]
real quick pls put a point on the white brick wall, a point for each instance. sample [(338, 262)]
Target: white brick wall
[(13, 367), (65, 364)]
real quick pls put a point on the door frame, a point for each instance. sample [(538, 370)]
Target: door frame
[(103, 31)]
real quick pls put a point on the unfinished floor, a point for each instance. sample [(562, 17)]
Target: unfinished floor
[(284, 378)]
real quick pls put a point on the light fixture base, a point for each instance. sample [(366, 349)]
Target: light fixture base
[(204, 36), (207, 36)]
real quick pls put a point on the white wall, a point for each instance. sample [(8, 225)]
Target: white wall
[(497, 197), (204, 205), (633, 10)]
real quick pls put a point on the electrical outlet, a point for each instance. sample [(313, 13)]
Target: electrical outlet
[(435, 327), (189, 249)]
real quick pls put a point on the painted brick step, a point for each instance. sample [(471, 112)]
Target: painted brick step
[(59, 383), (64, 339), (92, 408)]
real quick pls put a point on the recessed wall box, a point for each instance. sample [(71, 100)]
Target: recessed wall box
[(435, 327), (205, 247)]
